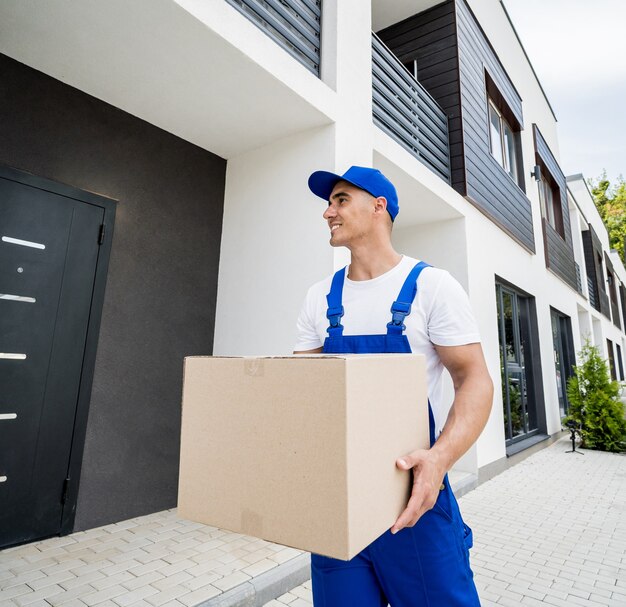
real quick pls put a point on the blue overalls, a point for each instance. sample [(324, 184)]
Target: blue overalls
[(426, 565)]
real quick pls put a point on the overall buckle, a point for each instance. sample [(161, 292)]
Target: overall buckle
[(334, 316), (399, 311)]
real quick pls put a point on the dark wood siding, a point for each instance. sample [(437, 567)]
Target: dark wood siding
[(622, 294), (451, 54), (595, 277), (610, 272), (430, 40), (559, 250), (488, 185), (559, 256), (590, 265)]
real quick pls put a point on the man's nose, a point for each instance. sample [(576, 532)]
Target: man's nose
[(329, 212)]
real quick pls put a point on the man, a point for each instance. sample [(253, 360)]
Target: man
[(423, 560)]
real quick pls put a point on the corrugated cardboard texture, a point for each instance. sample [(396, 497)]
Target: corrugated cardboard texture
[(300, 450)]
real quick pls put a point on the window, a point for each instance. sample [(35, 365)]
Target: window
[(564, 359), (550, 201), (516, 354), (620, 362), (502, 142), (503, 133), (609, 348)]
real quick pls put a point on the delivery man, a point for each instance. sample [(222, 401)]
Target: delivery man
[(387, 302)]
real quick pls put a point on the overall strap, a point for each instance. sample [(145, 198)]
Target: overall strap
[(401, 308), (335, 307)]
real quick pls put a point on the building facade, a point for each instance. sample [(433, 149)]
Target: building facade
[(188, 130)]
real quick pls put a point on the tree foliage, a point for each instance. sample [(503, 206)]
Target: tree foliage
[(594, 404), (610, 201)]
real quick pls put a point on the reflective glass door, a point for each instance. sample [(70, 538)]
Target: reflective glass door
[(520, 419)]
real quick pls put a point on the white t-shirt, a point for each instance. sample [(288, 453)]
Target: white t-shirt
[(440, 314)]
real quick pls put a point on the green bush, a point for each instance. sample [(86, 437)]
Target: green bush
[(594, 404)]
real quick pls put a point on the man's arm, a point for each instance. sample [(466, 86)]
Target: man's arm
[(473, 395)]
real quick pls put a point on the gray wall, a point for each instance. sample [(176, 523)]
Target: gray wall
[(162, 283)]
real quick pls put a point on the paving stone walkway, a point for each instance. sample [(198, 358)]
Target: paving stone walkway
[(148, 561), (549, 531)]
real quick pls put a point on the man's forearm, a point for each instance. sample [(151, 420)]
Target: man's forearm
[(467, 418)]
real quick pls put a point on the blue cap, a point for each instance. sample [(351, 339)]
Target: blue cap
[(321, 183)]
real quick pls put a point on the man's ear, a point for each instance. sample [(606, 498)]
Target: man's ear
[(380, 205)]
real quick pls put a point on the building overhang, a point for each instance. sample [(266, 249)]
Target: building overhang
[(199, 70)]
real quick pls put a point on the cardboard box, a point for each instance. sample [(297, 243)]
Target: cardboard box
[(301, 450)]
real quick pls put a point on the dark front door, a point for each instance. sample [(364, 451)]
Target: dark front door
[(49, 247)]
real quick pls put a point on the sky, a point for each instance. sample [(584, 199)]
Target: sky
[(578, 50)]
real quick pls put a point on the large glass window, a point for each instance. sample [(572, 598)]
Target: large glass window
[(620, 362), (609, 349), (502, 142), (550, 199), (563, 356), (519, 408)]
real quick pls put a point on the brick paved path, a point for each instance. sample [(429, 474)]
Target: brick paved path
[(549, 531), (151, 561)]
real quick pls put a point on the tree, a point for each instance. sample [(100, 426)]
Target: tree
[(594, 405), (610, 201)]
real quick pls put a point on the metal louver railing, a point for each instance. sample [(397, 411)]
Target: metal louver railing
[(405, 111), (294, 24)]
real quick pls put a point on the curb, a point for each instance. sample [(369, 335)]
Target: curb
[(265, 587)]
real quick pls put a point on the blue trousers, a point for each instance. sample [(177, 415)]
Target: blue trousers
[(422, 566)]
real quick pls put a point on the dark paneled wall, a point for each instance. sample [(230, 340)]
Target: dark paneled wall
[(429, 39), (559, 256), (593, 254), (452, 54), (162, 283), (622, 294), (612, 292), (488, 185), (559, 251), (591, 267)]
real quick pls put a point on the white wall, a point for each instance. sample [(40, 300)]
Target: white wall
[(274, 244)]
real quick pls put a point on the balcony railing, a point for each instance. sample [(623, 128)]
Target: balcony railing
[(405, 111), (294, 24)]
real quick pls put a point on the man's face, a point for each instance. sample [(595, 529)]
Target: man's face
[(349, 214)]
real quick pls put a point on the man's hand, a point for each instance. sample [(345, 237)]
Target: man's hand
[(473, 395), (428, 473)]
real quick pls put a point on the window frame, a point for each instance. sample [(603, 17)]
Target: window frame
[(552, 212), (503, 159), (509, 153)]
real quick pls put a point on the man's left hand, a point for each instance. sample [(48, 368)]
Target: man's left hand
[(428, 473)]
